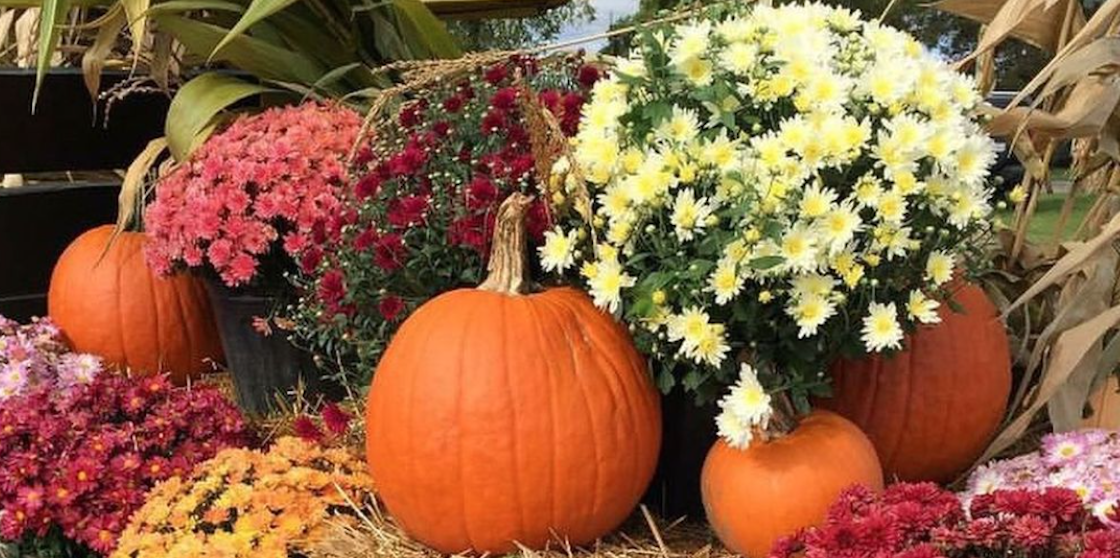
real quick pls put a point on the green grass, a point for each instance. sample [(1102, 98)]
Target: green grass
[(1045, 219)]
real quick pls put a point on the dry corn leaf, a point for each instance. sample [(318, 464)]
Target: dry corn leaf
[(159, 67), (1036, 22), (7, 19), (1105, 402), (1097, 26), (1095, 296), (26, 26), (1084, 113), (1073, 306), (137, 21), (131, 195), (1072, 261), (1101, 53), (1068, 351), (94, 58)]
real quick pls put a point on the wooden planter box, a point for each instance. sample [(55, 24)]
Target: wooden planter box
[(65, 134), (37, 222)]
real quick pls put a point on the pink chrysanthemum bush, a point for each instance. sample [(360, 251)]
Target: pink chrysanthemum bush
[(75, 465), (926, 521), (423, 202), (35, 355), (254, 195), (1087, 462)]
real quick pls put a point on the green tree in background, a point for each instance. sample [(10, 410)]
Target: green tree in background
[(516, 33)]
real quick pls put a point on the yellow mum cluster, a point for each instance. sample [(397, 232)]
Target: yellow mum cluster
[(248, 503), (795, 165)]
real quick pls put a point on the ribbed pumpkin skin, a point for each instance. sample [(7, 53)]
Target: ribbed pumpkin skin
[(120, 310), (932, 408), (495, 418), (754, 497)]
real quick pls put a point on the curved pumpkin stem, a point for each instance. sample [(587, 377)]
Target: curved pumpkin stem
[(508, 267)]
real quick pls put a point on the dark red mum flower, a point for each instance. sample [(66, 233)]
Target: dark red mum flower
[(504, 98), (390, 307), (408, 211), (367, 186), (365, 239), (494, 121), (481, 193), (310, 259), (389, 252), (496, 74), (588, 75), (410, 115), (305, 428), (332, 287), (335, 419), (453, 104), (1030, 532)]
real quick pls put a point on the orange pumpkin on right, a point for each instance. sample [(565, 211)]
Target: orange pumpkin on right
[(932, 408)]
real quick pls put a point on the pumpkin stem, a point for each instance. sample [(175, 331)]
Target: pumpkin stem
[(508, 266)]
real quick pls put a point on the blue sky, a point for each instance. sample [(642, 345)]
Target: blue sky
[(606, 12)]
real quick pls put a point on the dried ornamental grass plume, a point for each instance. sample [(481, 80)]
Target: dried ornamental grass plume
[(1086, 462), (794, 176), (925, 521), (80, 463), (245, 503), (265, 187), (34, 355), (422, 203)]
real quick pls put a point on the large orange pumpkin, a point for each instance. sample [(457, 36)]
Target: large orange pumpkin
[(931, 409), (498, 417), (115, 307), (772, 489)]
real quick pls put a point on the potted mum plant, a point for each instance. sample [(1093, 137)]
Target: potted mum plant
[(418, 216), (774, 185), (251, 202)]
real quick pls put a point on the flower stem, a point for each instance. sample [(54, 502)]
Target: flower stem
[(508, 266)]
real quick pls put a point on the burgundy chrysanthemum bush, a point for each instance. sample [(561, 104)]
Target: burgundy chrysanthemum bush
[(253, 196), (926, 521), (75, 465), (423, 202)]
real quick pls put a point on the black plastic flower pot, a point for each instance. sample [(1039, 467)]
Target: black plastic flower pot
[(688, 432), (264, 367)]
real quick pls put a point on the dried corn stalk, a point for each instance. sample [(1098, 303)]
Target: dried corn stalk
[(1060, 300)]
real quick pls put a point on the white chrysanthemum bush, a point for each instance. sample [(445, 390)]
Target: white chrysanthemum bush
[(774, 184)]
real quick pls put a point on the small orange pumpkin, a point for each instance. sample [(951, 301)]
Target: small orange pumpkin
[(117, 308), (772, 489), (496, 417), (932, 408)]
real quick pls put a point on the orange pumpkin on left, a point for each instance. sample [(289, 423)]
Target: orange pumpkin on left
[(121, 311)]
